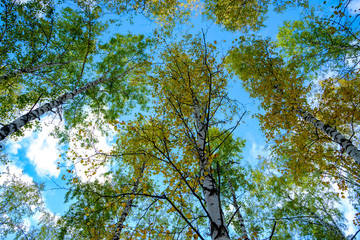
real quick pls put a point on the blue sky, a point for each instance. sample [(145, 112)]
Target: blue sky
[(35, 155)]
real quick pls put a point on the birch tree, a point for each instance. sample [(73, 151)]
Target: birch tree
[(189, 90), (283, 92), (123, 52), (42, 45)]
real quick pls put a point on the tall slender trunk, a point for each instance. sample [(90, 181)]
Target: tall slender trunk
[(218, 230), (129, 203), (238, 214), (36, 113), (345, 143)]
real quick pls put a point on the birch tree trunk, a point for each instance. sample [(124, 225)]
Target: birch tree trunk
[(244, 235), (36, 113), (346, 144), (218, 230), (129, 203)]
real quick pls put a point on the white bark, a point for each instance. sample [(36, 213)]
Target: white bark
[(129, 204), (218, 229), (327, 129), (240, 218), (36, 113), (333, 133), (346, 144)]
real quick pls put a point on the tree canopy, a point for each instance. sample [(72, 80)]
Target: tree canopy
[(153, 139)]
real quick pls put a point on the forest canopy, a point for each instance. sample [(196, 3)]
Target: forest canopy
[(179, 119)]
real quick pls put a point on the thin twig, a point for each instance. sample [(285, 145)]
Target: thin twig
[(273, 231), (355, 235)]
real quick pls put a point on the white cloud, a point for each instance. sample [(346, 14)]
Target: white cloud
[(43, 152), (27, 224), (347, 209), (10, 170), (349, 213), (257, 150), (354, 5), (87, 177), (14, 147), (40, 147), (46, 214)]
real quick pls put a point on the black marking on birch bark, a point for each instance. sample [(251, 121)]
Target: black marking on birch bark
[(220, 231), (4, 131), (211, 191)]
